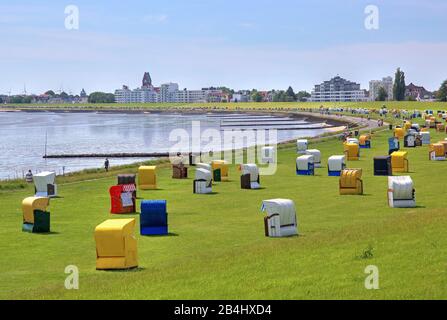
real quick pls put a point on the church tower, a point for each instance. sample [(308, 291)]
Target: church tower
[(147, 81)]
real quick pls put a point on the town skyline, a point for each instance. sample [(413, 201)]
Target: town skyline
[(263, 44)]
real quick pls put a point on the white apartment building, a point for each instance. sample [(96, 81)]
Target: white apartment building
[(338, 90), (375, 85), (140, 95), (190, 96), (168, 92)]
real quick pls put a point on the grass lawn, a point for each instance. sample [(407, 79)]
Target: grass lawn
[(407, 105), (217, 249)]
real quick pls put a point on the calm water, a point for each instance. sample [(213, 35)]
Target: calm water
[(22, 136)]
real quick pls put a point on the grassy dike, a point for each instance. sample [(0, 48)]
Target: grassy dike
[(398, 105), (217, 248)]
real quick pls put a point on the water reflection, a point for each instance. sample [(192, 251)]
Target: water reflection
[(22, 137)]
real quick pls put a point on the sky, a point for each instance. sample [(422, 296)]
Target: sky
[(245, 44)]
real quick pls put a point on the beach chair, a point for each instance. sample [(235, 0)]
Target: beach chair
[(399, 161), (301, 146), (122, 199), (147, 178), (365, 141), (203, 182), (45, 184), (317, 157), (401, 193), (336, 164), (281, 220), (250, 178), (437, 152), (153, 218), (382, 166), (36, 218), (352, 151), (220, 170), (116, 246), (268, 155), (351, 182), (305, 165)]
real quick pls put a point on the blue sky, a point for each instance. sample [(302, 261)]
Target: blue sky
[(247, 44)]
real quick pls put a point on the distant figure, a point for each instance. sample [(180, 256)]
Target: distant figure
[(29, 177), (106, 165)]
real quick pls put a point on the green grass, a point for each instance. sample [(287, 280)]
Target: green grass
[(218, 249), (408, 105)]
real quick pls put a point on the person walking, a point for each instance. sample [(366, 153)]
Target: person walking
[(106, 165), (29, 177)]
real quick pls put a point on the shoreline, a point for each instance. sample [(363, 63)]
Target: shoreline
[(336, 124), (331, 120)]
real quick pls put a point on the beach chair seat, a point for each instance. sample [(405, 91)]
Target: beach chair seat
[(352, 151), (280, 220), (351, 182), (116, 245), (153, 218), (301, 145), (36, 218), (45, 184), (317, 157), (122, 199), (203, 182), (399, 161), (305, 165), (220, 170), (365, 141), (336, 164), (401, 193), (382, 166), (250, 178), (147, 177)]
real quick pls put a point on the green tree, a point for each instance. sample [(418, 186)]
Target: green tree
[(290, 95), (399, 85), (280, 96), (302, 96), (50, 93), (256, 96), (101, 97), (382, 95), (442, 92)]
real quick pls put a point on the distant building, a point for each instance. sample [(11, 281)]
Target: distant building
[(167, 92), (375, 85), (417, 92), (83, 97), (190, 96), (147, 81), (145, 94), (338, 89), (240, 97)]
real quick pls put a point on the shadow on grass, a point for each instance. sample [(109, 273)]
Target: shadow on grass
[(170, 234), (207, 194), (137, 269), (51, 233)]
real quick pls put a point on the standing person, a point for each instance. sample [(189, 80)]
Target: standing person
[(106, 165), (29, 177)]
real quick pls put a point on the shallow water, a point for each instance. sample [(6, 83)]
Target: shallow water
[(23, 136)]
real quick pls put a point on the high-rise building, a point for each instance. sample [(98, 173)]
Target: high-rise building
[(338, 89), (375, 85)]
